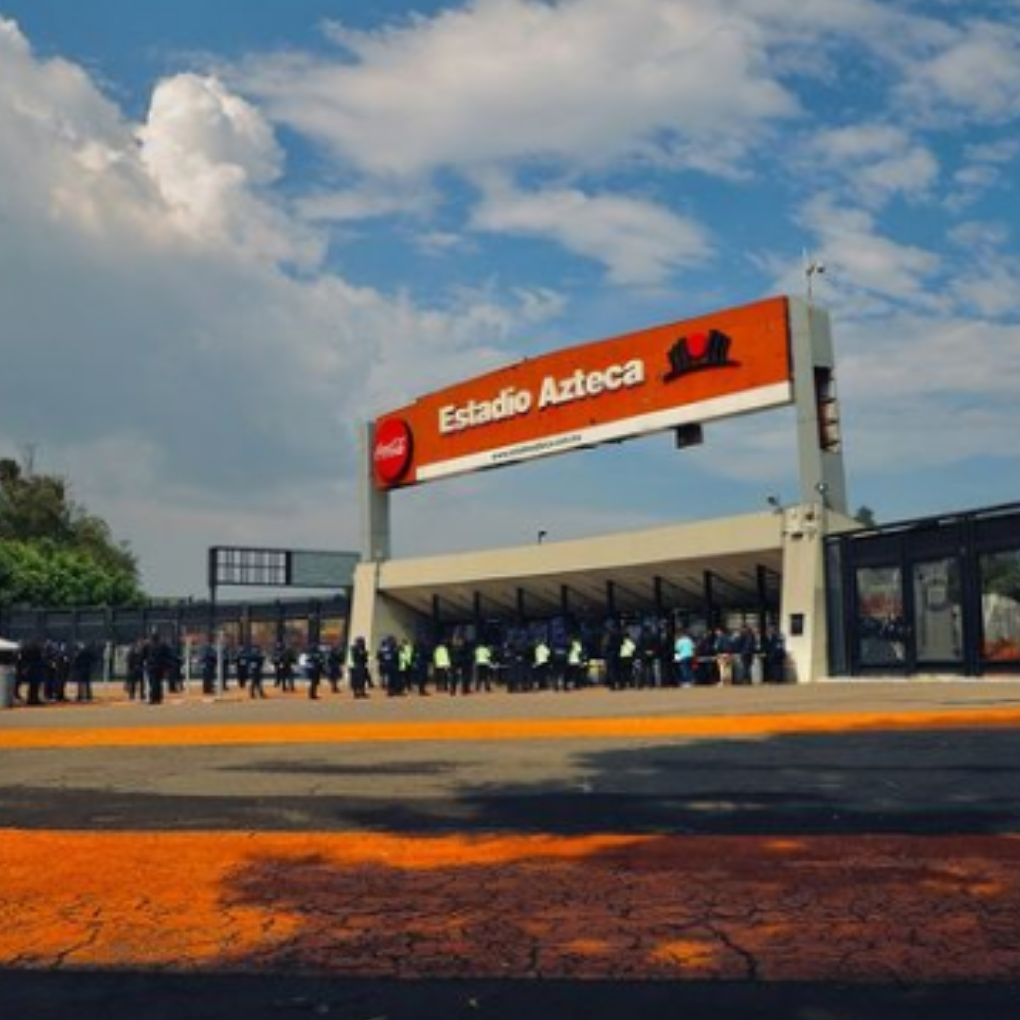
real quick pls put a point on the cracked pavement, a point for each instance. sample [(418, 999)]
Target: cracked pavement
[(709, 847)]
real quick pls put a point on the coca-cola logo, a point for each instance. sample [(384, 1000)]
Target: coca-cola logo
[(393, 450)]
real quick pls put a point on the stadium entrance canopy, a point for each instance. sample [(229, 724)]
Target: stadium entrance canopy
[(771, 354)]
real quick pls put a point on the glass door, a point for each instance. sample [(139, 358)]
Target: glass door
[(938, 612), (881, 631)]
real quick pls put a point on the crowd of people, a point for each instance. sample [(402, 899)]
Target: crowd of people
[(54, 671), (619, 657)]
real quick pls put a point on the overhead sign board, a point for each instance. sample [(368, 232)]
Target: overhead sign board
[(716, 366), (280, 568)]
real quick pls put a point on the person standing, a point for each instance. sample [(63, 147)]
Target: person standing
[(136, 671), (683, 658), (483, 666), (774, 649), (387, 659), (575, 665), (747, 645), (441, 665), (405, 666), (209, 670), (313, 670), (358, 665), (32, 664), (420, 666), (628, 649), (334, 668), (159, 663), (256, 670), (81, 671)]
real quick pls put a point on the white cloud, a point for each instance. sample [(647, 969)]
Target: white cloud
[(876, 161), (861, 258), (925, 391), (640, 243), (579, 81), (984, 168), (976, 71), (347, 205), (150, 334), (210, 154)]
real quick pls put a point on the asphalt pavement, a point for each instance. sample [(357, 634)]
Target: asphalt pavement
[(840, 850)]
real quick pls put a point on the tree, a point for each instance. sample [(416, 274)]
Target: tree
[(866, 516), (52, 551)]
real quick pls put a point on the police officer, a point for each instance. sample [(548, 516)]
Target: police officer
[(159, 659), (628, 650), (334, 668), (441, 665), (420, 666), (575, 664), (483, 666), (358, 665), (313, 670), (387, 659), (543, 655), (136, 671), (256, 667), (32, 665), (81, 670)]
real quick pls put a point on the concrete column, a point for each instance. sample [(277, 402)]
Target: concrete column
[(374, 615), (375, 504), (822, 474), (802, 612)]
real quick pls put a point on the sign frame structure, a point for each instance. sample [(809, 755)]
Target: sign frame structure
[(260, 567), (679, 374)]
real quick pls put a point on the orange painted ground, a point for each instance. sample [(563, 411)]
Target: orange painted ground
[(749, 726), (909, 909)]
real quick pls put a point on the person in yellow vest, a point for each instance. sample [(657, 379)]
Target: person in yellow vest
[(543, 654), (575, 665), (628, 649), (441, 666), (405, 660), (483, 666)]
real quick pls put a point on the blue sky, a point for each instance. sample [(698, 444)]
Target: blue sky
[(230, 232)]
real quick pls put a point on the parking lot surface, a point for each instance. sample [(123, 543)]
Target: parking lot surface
[(839, 850)]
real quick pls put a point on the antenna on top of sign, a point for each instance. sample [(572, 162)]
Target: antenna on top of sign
[(812, 268)]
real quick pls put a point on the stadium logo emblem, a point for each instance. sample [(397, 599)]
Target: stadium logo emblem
[(698, 351)]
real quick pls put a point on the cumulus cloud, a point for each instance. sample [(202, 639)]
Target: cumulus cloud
[(152, 331), (210, 154), (176, 337)]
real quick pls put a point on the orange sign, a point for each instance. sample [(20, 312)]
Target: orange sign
[(715, 366)]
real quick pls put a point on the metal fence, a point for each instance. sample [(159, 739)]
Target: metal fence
[(298, 623)]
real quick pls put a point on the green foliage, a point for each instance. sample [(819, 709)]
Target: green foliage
[(54, 553), (1000, 574), (866, 516)]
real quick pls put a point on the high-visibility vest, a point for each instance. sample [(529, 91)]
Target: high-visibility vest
[(541, 654), (441, 657), (483, 655), (628, 648), (574, 655)]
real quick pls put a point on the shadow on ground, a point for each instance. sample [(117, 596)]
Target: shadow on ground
[(959, 781), (129, 995)]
